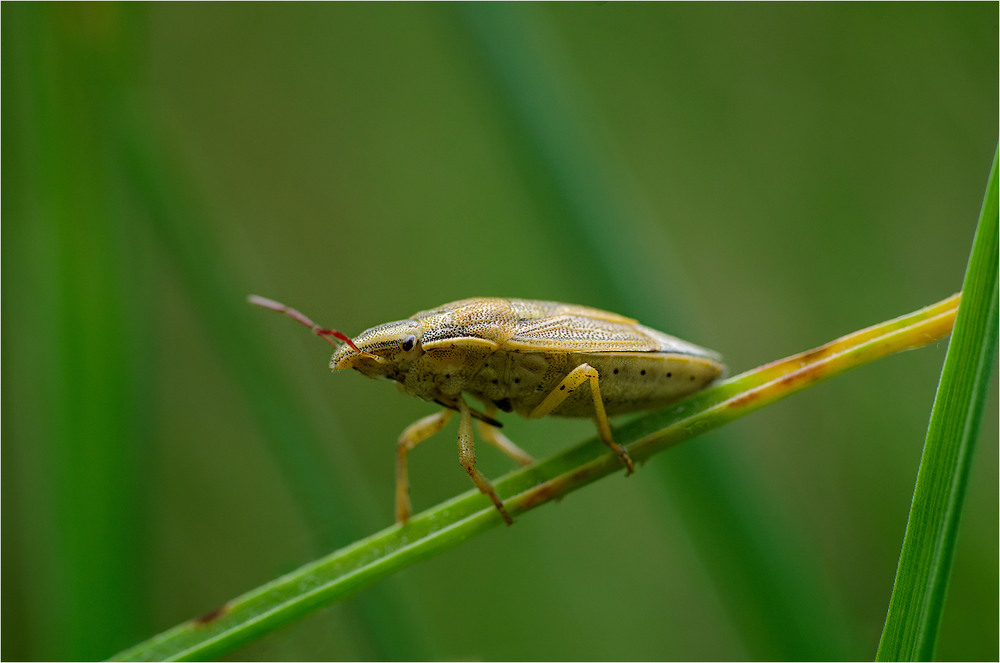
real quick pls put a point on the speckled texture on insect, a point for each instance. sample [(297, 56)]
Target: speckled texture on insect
[(524, 356)]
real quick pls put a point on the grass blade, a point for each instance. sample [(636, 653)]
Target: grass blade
[(344, 572), (921, 584), (593, 209), (381, 621), (79, 319)]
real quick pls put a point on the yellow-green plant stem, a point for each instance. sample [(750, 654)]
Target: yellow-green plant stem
[(341, 573)]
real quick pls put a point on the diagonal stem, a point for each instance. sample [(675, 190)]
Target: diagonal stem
[(346, 571)]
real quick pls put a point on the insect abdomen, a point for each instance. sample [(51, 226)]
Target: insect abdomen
[(629, 382)]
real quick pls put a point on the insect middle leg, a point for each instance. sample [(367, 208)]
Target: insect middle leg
[(467, 457), (575, 378), (414, 434)]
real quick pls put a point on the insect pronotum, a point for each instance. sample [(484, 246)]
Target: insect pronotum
[(532, 357)]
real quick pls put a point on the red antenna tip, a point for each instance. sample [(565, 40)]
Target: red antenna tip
[(325, 334)]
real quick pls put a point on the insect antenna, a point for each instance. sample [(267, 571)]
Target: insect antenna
[(327, 335)]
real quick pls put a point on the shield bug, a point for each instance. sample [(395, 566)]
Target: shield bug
[(531, 357)]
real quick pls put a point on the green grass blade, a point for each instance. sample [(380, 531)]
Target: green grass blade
[(574, 175), (77, 320), (99, 168), (340, 574), (335, 512), (921, 585), (215, 290), (594, 212)]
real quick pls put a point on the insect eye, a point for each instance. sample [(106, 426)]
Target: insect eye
[(408, 342)]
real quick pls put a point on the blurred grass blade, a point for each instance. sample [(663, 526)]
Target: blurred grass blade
[(338, 575), (335, 511), (921, 585), (78, 320), (590, 208), (593, 211), (212, 285)]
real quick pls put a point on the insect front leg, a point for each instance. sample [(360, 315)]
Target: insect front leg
[(493, 435), (467, 457), (414, 434), (575, 378)]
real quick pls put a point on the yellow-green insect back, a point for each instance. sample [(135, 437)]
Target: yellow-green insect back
[(518, 355)]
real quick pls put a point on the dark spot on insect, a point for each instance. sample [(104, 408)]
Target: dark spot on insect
[(210, 617), (670, 375), (447, 376), (642, 372), (517, 380), (562, 387), (691, 378), (496, 381), (487, 420), (503, 404), (408, 342), (616, 371)]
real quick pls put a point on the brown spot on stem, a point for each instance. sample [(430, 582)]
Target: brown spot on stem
[(210, 617), (810, 356), (744, 399), (555, 489), (542, 494)]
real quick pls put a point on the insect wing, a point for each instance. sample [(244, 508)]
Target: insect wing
[(570, 328), (571, 333), (528, 325)]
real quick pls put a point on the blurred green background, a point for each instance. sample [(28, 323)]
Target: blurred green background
[(758, 179)]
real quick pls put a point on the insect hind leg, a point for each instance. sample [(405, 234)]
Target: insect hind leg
[(492, 435), (577, 377)]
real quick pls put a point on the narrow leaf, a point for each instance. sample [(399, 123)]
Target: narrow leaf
[(918, 595)]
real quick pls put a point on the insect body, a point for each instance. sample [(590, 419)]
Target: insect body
[(518, 355)]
